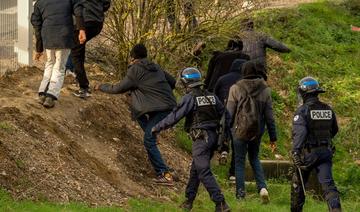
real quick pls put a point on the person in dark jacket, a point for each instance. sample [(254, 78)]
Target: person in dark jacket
[(220, 63), (94, 20), (255, 44), (221, 90), (151, 100), (54, 29), (202, 111), (252, 84), (314, 127)]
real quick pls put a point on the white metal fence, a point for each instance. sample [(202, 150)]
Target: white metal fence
[(15, 34), (8, 35)]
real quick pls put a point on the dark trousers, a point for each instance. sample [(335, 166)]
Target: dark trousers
[(147, 122), (92, 29), (321, 161), (241, 149), (202, 152)]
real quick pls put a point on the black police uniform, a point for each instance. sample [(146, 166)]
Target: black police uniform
[(202, 111), (314, 126)]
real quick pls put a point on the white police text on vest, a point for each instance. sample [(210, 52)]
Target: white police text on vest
[(205, 101), (321, 114)]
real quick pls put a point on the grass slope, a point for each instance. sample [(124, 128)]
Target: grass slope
[(324, 47)]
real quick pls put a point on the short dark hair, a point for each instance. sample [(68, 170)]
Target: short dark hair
[(139, 51)]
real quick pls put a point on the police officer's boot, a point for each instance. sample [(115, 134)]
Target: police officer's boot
[(240, 194), (222, 207), (187, 205)]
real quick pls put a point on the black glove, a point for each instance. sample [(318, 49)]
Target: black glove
[(296, 159), (333, 149)]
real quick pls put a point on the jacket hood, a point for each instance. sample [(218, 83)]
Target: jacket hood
[(236, 66), (147, 65), (253, 86), (252, 69)]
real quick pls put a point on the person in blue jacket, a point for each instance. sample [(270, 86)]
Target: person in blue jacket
[(202, 111)]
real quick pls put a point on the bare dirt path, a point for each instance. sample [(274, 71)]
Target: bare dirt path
[(88, 151)]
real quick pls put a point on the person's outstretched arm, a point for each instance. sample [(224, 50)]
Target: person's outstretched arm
[(127, 84), (184, 107), (276, 45)]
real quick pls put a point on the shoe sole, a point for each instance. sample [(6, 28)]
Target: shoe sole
[(265, 199), (80, 96), (164, 184), (48, 106)]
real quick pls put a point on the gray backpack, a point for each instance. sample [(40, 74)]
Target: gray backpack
[(246, 122)]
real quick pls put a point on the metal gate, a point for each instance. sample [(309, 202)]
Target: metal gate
[(8, 35)]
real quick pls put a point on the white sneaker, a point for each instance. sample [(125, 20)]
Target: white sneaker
[(264, 195), (232, 178)]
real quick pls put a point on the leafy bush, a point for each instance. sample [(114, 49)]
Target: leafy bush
[(171, 29)]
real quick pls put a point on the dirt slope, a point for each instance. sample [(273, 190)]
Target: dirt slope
[(88, 151)]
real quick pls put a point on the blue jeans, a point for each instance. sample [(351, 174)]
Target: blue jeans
[(69, 64), (241, 148), (147, 122)]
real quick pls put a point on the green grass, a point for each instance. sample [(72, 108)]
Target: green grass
[(322, 46), (5, 126), (9, 205)]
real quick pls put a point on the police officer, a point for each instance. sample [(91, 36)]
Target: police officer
[(202, 111), (314, 127)]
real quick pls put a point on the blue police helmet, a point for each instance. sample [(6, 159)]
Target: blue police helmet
[(309, 85), (191, 77)]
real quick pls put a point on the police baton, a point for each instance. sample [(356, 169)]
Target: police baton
[(302, 180)]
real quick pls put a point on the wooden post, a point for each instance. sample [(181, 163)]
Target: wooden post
[(24, 47)]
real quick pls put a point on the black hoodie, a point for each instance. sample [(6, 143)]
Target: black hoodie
[(224, 83), (150, 88)]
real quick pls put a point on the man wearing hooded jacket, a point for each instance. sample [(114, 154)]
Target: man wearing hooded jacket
[(254, 85), (151, 101)]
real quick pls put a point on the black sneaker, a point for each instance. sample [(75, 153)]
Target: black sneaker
[(240, 194), (165, 179), (82, 93), (187, 205), (41, 99), (222, 207), (49, 102)]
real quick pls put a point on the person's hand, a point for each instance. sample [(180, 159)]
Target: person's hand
[(38, 56), (296, 159), (82, 36), (273, 146)]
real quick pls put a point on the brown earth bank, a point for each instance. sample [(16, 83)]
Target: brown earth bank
[(80, 151)]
